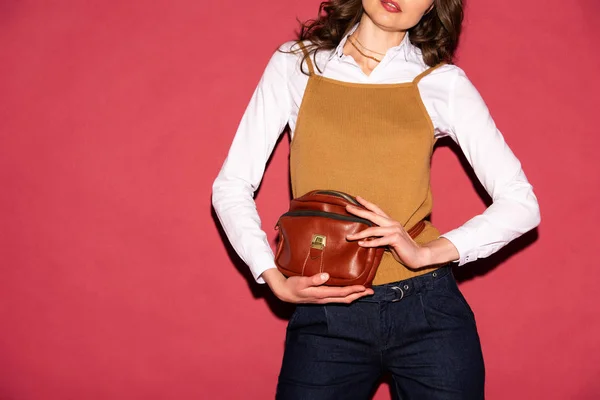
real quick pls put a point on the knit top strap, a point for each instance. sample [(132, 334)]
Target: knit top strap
[(311, 69), (426, 72)]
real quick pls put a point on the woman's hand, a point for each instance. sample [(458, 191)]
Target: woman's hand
[(391, 233), (309, 289)]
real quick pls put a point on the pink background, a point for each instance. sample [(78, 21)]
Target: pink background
[(115, 117)]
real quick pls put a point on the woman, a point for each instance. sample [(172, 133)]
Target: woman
[(366, 92)]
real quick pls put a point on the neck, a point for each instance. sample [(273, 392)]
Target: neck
[(375, 38)]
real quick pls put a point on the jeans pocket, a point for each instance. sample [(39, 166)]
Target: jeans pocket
[(294, 317), (454, 290), (307, 317), (444, 308)]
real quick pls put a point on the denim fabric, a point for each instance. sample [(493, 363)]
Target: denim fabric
[(420, 330)]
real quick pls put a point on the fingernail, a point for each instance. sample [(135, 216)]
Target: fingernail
[(324, 276)]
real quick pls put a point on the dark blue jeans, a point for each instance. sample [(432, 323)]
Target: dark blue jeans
[(420, 330)]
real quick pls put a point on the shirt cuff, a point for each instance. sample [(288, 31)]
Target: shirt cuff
[(260, 264), (461, 239)]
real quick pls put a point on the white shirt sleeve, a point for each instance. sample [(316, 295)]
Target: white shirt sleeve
[(515, 208), (233, 189)]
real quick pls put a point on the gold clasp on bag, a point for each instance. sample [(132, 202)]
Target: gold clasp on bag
[(318, 241)]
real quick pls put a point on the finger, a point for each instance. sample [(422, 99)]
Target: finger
[(382, 241), (346, 299), (371, 206), (334, 291), (315, 280), (372, 231), (370, 215)]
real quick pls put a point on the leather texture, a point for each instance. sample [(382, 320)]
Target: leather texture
[(323, 213)]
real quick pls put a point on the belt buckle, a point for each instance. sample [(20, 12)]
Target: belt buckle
[(397, 288)]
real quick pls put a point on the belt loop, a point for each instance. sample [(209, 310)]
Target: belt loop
[(431, 278), (437, 274)]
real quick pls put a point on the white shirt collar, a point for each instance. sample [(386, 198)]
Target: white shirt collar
[(404, 45)]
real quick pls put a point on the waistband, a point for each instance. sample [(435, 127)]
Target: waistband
[(396, 291)]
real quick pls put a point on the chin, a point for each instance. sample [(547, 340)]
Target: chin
[(387, 22)]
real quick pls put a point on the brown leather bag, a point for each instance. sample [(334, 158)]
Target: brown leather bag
[(312, 239)]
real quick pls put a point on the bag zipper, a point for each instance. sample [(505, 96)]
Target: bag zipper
[(313, 213), (340, 194)]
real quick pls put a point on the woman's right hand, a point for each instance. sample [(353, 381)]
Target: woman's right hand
[(310, 289)]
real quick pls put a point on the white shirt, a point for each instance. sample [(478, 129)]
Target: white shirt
[(456, 110)]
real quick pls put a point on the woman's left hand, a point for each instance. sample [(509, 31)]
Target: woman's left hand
[(390, 233)]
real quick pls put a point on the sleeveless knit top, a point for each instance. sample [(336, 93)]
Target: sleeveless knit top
[(372, 140)]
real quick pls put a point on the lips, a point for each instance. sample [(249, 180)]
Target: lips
[(391, 6)]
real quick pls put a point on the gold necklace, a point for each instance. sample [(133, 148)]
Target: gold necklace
[(366, 48), (360, 51)]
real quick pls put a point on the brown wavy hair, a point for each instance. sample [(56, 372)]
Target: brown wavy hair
[(436, 34)]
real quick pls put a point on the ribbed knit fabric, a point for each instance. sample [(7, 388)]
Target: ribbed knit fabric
[(372, 140)]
